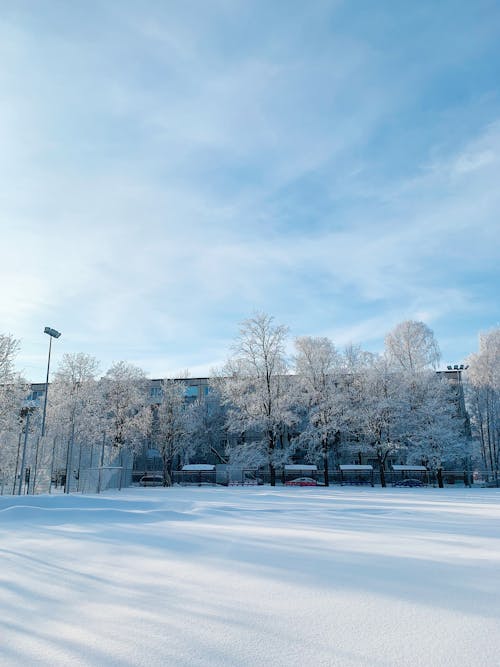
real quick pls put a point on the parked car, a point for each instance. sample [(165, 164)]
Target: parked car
[(151, 480), (302, 481), (409, 482)]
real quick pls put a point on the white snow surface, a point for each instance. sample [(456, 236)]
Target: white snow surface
[(251, 576)]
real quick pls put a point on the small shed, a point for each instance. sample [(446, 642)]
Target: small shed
[(197, 473), (293, 470), (356, 474), (402, 472)]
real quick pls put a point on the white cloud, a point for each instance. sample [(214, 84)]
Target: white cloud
[(154, 189)]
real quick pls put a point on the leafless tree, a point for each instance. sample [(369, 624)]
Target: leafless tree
[(483, 398), (256, 391), (317, 366), (411, 346)]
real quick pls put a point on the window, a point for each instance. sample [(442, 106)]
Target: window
[(35, 394), (156, 392)]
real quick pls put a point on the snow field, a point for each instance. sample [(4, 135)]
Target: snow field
[(251, 576)]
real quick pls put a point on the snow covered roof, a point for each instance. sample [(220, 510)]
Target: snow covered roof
[(198, 466), (409, 468), (300, 466), (355, 467)]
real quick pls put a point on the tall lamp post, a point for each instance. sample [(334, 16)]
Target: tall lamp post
[(52, 334), (458, 369)]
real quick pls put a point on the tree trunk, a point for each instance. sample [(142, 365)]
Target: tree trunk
[(167, 469), (325, 465), (440, 478), (270, 449), (383, 483), (216, 453)]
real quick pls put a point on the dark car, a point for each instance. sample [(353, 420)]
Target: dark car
[(151, 480)]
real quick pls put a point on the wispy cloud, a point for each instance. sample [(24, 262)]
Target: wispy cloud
[(165, 171)]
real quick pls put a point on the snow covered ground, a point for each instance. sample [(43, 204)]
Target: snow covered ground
[(251, 576)]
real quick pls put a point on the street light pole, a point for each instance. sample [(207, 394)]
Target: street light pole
[(52, 334), (462, 410)]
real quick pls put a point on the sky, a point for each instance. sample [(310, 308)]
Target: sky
[(167, 169)]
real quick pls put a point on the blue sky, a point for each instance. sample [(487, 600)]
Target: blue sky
[(168, 168)]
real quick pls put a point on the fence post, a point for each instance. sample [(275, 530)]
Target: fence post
[(23, 460)]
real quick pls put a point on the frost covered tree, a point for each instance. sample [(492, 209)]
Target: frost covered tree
[(12, 386), (377, 408), (256, 394), (433, 424), (207, 425), (396, 406), (355, 360), (483, 399), (12, 428), (317, 365), (411, 346), (170, 426), (126, 406), (355, 365), (9, 347), (75, 413), (13, 392)]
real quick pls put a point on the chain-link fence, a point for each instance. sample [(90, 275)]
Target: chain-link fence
[(103, 478), (96, 480), (87, 480)]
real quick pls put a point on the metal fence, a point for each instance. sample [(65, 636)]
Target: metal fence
[(87, 480), (95, 480), (451, 478), (194, 477), (99, 479)]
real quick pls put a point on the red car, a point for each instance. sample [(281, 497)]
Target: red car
[(302, 481)]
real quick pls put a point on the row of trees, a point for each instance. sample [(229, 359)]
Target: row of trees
[(82, 412), (321, 402), (268, 405), (95, 420)]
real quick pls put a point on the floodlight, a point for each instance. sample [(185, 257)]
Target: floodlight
[(52, 332)]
